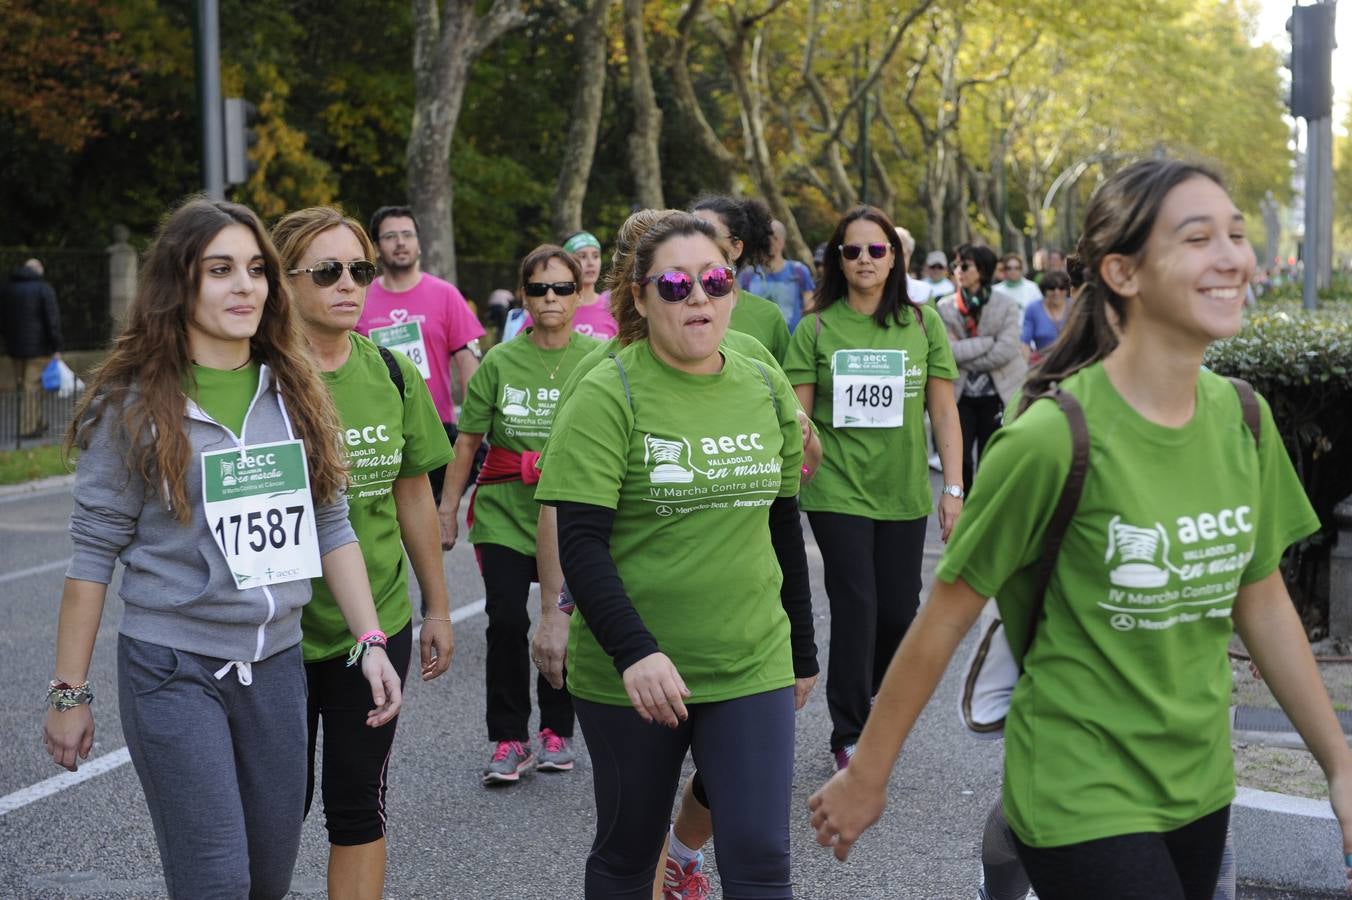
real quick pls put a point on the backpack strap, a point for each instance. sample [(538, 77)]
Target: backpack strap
[(624, 379), (1248, 402), (1066, 505), (765, 376), (396, 373)]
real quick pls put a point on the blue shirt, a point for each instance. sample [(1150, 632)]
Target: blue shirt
[(787, 288), (1039, 331)]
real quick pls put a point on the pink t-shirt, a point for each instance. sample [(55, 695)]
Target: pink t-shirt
[(594, 320), (446, 321)]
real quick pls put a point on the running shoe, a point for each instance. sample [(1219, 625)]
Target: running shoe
[(843, 756), (510, 759), (556, 753), (689, 883)]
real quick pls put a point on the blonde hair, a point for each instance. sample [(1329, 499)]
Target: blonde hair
[(295, 232)]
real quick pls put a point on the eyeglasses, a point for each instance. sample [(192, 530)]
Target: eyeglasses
[(963, 266), (405, 235), (560, 288), (674, 286), (876, 251), (939, 266), (329, 271)]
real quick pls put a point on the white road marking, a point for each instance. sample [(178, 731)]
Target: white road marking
[(34, 570), (110, 761)]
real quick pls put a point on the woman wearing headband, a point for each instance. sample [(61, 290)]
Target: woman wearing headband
[(674, 468), (511, 401), (393, 438)]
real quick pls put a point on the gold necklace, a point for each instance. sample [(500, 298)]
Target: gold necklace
[(566, 347)]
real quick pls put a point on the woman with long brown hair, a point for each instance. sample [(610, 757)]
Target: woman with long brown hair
[(1118, 770), (210, 467)]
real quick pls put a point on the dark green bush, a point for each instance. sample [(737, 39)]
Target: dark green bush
[(1302, 363)]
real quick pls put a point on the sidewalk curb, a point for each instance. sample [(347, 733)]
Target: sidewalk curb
[(41, 485), (1291, 841)]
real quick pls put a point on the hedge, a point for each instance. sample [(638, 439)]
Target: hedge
[(1302, 363)]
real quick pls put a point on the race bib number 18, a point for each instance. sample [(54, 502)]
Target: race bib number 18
[(260, 512), (407, 338), (868, 387)]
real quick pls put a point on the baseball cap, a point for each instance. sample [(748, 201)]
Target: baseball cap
[(936, 258)]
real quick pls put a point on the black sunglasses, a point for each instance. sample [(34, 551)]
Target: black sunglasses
[(852, 251), (328, 272), (540, 288), (673, 285)]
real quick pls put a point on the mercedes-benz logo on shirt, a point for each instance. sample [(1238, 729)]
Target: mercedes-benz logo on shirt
[(1122, 622), (664, 510)]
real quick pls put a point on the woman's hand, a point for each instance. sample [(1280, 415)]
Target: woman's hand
[(950, 508), (1340, 797), (549, 647), (844, 809), (384, 681), (802, 687), (657, 690), (448, 517), (436, 646), (69, 736)]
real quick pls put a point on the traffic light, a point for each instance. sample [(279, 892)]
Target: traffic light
[(1311, 30), (241, 133)]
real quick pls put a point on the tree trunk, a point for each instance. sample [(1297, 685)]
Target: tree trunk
[(445, 45), (644, 160), (688, 102), (565, 209)]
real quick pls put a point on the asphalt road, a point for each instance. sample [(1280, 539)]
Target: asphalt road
[(449, 836)]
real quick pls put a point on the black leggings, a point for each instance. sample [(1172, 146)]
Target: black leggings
[(872, 571), (744, 750), (507, 579), (1174, 865), (356, 756), (979, 417)]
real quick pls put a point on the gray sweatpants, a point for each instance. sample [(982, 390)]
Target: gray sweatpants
[(222, 765)]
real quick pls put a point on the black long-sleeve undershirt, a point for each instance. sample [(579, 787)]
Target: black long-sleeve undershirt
[(596, 586)]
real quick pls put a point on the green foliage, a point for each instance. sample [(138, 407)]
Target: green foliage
[(17, 466), (1302, 363)]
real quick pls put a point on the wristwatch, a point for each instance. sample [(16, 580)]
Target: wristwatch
[(954, 490)]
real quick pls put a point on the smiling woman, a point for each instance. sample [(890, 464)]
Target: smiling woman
[(206, 381)]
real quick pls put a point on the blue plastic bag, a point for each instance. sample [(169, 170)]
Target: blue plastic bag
[(51, 376)]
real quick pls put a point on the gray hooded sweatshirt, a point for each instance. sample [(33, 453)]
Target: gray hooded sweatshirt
[(177, 588)]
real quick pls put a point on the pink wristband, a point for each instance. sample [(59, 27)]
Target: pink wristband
[(375, 636)]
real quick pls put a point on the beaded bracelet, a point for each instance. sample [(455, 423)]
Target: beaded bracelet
[(373, 638), (62, 696)]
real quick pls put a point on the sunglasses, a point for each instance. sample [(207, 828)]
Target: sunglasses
[(963, 266), (675, 286), (540, 288), (852, 251), (329, 271)]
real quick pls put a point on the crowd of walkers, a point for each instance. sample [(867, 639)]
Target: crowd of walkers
[(272, 444)]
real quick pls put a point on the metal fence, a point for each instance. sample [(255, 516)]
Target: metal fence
[(80, 278), (53, 416)]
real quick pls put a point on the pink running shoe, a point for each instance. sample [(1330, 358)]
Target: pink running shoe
[(556, 753), (510, 759), (689, 883)]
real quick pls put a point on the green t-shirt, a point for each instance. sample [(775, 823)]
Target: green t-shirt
[(690, 469), (851, 480), (1120, 723), (512, 399), (761, 318), (385, 440), (224, 394)]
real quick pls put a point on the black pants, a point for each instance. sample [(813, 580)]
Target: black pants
[(978, 417), (438, 476), (507, 579), (872, 573), (744, 750), (356, 756), (1175, 865)]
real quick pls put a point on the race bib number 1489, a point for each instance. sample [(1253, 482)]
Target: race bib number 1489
[(868, 387)]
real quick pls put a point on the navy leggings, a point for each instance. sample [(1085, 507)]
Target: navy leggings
[(744, 750), (1182, 864)]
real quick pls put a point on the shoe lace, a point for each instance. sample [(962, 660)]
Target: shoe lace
[(693, 884), (508, 747), (552, 742)]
